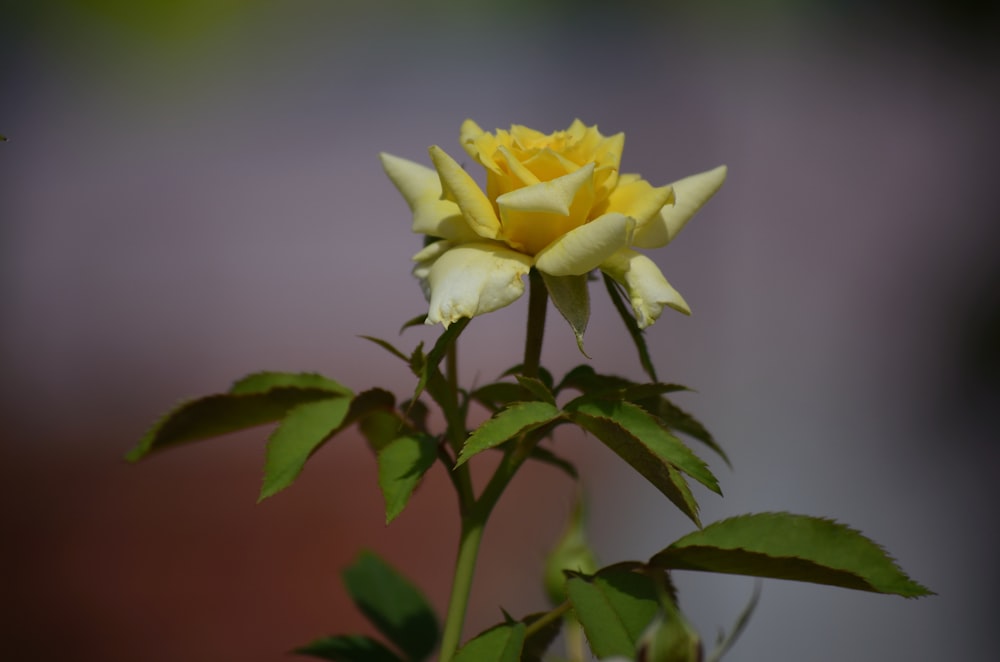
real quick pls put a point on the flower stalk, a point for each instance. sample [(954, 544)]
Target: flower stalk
[(476, 513)]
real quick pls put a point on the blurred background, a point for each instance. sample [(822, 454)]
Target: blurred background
[(190, 192)]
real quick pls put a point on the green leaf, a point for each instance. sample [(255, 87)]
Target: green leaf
[(348, 648), (497, 395), (644, 456), (393, 605), (543, 374), (786, 546), (677, 419), (614, 606), (261, 382), (538, 642), (419, 320), (216, 415), (298, 436), (585, 379), (655, 439), (633, 327), (380, 428), (537, 388), (387, 346), (501, 643), (428, 366), (368, 402), (571, 296), (401, 466), (507, 424)]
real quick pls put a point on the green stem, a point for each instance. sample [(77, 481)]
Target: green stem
[(544, 620), (455, 418), (475, 512), (538, 301), (465, 567)]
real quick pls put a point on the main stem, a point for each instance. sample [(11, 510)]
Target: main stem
[(475, 512)]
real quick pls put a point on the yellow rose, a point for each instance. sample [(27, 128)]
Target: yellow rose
[(553, 202)]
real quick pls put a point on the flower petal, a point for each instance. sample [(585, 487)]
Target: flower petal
[(647, 289), (421, 188), (639, 200), (467, 135), (580, 250), (459, 186), (472, 279), (554, 196), (690, 194), (425, 260), (532, 217)]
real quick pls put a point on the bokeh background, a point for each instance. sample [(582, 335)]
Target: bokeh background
[(190, 193)]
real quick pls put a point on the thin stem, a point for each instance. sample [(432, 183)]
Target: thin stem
[(547, 618), (455, 417), (465, 567), (538, 301), (475, 512)]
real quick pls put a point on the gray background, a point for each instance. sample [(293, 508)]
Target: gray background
[(191, 192)]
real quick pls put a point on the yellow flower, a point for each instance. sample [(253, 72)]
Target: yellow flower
[(553, 202)]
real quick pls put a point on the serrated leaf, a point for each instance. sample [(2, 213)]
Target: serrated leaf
[(537, 388), (507, 424), (571, 296), (501, 643), (393, 605), (224, 413), (633, 327), (261, 382), (644, 459), (299, 435), (401, 466), (786, 546), (677, 419), (614, 606), (655, 438), (348, 648), (538, 642)]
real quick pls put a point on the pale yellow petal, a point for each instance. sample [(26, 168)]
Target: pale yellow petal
[(639, 200), (421, 188), (690, 194), (580, 250), (425, 260), (467, 135), (473, 279), (459, 186), (647, 289)]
